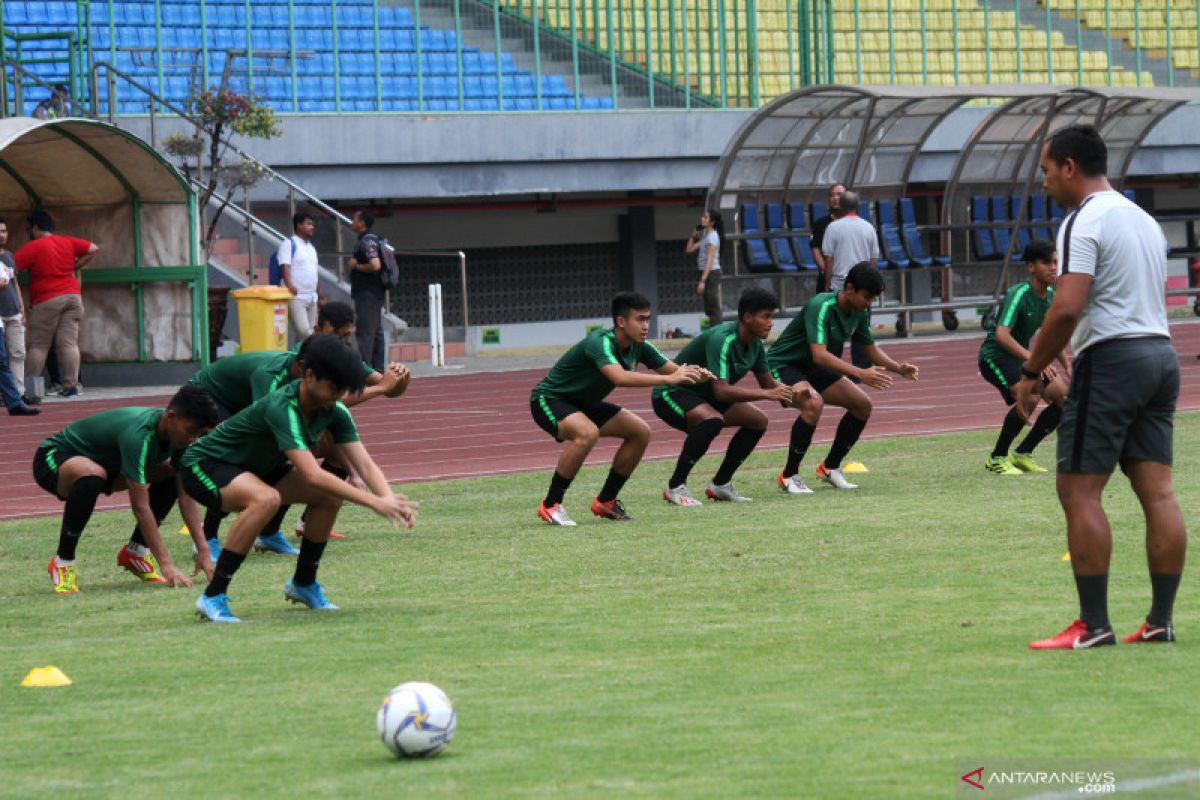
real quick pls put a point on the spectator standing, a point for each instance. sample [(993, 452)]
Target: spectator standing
[(818, 234), (366, 289), (298, 259), (12, 314), (706, 243), (849, 240), (8, 387), (55, 298), (54, 106)]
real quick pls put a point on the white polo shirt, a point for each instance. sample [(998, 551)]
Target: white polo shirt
[(302, 258), (848, 241), (1125, 251)]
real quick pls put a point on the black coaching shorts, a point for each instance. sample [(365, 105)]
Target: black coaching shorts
[(205, 480), (1121, 406), (547, 411)]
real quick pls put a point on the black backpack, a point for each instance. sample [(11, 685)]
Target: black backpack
[(389, 270)]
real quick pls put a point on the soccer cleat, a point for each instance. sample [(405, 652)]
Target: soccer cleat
[(142, 566), (555, 515), (794, 484), (1152, 634), (310, 595), (214, 609), (63, 577), (275, 543), (726, 493), (611, 510), (1000, 465), (300, 531), (1076, 637), (834, 477), (680, 496), (1025, 463)]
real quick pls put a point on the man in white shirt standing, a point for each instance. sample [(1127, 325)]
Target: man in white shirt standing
[(298, 260), (1109, 301), (849, 240)]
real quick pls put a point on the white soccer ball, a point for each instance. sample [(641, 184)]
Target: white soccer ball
[(416, 720)]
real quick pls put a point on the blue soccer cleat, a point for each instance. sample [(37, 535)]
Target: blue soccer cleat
[(215, 609), (310, 595), (214, 549), (275, 543)]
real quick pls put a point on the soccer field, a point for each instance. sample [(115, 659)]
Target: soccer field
[(856, 644)]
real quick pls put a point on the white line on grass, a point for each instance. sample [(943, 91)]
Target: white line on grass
[(1127, 787)]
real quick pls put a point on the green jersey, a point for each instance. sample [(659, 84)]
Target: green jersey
[(819, 322), (720, 352), (124, 439), (577, 378), (1022, 312), (237, 381), (256, 437)]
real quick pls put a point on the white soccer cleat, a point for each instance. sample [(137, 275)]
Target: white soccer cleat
[(794, 485), (555, 515), (680, 496), (834, 477), (726, 493)]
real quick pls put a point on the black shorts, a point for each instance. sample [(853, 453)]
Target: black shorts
[(1121, 406), (205, 480), (671, 406), (818, 378), (548, 410), (1003, 371), (46, 462)]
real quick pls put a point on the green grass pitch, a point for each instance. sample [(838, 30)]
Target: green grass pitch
[(858, 644)]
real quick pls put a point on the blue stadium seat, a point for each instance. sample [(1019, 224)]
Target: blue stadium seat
[(912, 237), (985, 242), (819, 210), (758, 259), (781, 248), (801, 237), (892, 248), (1001, 233), (1023, 234)]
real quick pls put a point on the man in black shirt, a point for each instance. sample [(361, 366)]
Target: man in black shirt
[(367, 291), (818, 234)]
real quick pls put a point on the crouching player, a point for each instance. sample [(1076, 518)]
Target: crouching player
[(126, 449), (569, 404), (728, 351), (1006, 348), (809, 353), (262, 457)]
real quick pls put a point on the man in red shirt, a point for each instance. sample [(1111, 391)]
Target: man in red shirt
[(56, 304)]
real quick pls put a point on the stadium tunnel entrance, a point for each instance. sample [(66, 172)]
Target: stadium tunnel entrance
[(868, 138), (145, 294)]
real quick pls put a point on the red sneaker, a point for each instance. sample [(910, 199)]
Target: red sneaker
[(1076, 637), (611, 510), (142, 566), (1151, 634)]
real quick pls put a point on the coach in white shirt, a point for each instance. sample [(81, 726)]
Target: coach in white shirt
[(298, 260), (1110, 302)]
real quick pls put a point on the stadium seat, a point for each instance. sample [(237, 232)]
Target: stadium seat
[(1037, 215), (1023, 233), (758, 259), (1000, 233), (985, 242), (780, 246), (892, 249), (912, 237), (801, 238)]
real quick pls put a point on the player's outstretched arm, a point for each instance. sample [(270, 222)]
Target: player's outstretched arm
[(139, 501), (670, 373), (879, 358), (768, 389), (189, 509), (393, 507), (1005, 339), (392, 382), (874, 377)]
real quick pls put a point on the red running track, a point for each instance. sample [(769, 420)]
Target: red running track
[(467, 425)]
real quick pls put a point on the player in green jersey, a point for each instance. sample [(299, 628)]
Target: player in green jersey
[(729, 351), (569, 404), (126, 449), (1006, 348), (262, 457), (809, 351)]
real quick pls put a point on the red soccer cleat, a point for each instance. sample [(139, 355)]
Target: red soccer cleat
[(1076, 637), (1151, 634), (611, 510), (142, 566)]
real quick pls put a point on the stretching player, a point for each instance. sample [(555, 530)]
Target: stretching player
[(126, 449), (569, 404), (809, 353), (728, 351), (1007, 347), (262, 457)]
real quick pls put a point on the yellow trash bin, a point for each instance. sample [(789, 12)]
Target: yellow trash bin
[(262, 317)]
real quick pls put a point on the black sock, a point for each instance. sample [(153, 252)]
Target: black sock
[(612, 486), (1008, 431), (558, 488), (212, 522), (335, 470), (848, 431), (274, 522), (80, 504), (162, 500), (1161, 607), (802, 434), (1045, 424), (740, 447), (227, 564), (308, 561), (1093, 600), (694, 447)]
